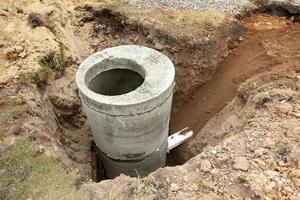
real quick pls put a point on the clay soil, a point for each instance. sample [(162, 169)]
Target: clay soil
[(268, 42)]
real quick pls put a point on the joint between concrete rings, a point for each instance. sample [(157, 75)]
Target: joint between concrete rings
[(131, 114)]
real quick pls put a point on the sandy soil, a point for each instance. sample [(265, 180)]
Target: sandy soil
[(267, 42)]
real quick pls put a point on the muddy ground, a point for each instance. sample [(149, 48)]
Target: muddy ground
[(237, 88)]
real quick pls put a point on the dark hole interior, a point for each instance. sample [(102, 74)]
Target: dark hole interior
[(116, 82)]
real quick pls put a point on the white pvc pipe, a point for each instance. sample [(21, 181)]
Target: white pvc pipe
[(178, 138)]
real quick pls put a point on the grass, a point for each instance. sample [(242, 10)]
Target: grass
[(112, 196), (37, 20), (53, 60), (11, 110), (17, 112), (16, 101), (25, 174), (41, 75), (141, 190), (260, 2), (17, 107), (144, 191)]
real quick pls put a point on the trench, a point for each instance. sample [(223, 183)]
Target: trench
[(263, 42), (251, 55)]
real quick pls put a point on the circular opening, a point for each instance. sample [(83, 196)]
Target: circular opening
[(116, 82)]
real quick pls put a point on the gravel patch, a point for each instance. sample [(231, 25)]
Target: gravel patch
[(231, 6)]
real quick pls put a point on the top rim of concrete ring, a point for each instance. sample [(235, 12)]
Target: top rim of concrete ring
[(156, 68)]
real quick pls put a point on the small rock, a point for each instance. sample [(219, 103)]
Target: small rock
[(42, 148), (296, 131), (269, 143), (259, 152), (269, 187), (260, 162), (205, 165), (296, 115), (267, 198), (186, 178), (281, 163), (285, 108), (158, 46), (3, 13), (19, 48), (193, 187), (214, 172), (214, 152), (241, 163), (14, 130), (294, 156), (174, 187), (208, 183), (296, 181), (22, 55), (4, 79), (296, 197), (297, 68), (295, 173)]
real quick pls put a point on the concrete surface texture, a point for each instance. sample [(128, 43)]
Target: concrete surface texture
[(127, 94), (136, 168)]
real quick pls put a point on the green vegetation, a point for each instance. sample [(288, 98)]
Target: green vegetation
[(41, 76), (18, 112), (141, 190), (53, 60), (144, 190), (260, 2), (112, 196), (16, 101), (12, 109), (25, 174), (16, 105), (37, 20)]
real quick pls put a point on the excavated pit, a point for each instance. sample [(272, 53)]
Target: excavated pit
[(254, 46)]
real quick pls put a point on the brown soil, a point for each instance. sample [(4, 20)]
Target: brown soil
[(252, 54), (249, 147), (197, 46), (257, 156), (196, 52), (61, 39)]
